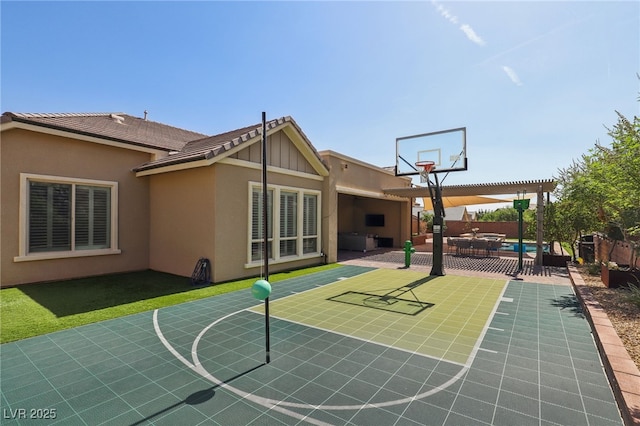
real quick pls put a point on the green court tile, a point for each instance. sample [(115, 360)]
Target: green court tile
[(506, 417), (519, 387), (561, 415), (479, 392), (313, 392), (306, 371), (595, 377), (596, 392), (17, 375), (87, 384), (329, 378), (483, 377), (181, 415), (524, 374), (402, 386), (342, 398), (600, 421), (71, 420), (472, 409), (557, 354), (487, 365), (519, 361), (327, 417), (54, 370), (26, 390), (443, 399), (519, 403), (603, 408), (287, 383), (137, 396), (127, 384), (100, 413), (91, 398), (566, 399), (423, 413), (179, 379), (558, 382), (371, 417), (127, 417), (159, 406), (559, 369), (149, 365)]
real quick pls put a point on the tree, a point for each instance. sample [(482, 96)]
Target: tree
[(428, 219), (601, 191)]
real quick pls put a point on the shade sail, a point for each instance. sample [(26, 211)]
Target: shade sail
[(463, 200)]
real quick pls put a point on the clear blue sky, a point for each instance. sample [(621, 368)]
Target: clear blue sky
[(535, 83)]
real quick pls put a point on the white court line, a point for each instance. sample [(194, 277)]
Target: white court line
[(480, 338), (279, 405), (204, 373)]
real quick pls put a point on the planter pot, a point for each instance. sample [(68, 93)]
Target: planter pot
[(614, 278), (555, 260), (418, 240)]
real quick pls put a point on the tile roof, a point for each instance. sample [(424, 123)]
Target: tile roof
[(213, 146), (118, 127)]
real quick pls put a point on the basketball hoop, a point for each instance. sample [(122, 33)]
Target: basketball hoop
[(426, 168)]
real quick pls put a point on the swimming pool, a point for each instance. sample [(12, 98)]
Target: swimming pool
[(528, 247)]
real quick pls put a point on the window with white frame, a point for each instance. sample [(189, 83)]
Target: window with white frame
[(257, 223), (293, 228), (66, 216)]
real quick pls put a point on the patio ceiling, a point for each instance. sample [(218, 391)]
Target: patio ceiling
[(480, 189)]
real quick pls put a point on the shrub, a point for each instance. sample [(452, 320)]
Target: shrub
[(634, 294), (593, 268)]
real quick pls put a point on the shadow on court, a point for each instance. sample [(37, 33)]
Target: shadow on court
[(570, 303), (196, 398), (400, 300)]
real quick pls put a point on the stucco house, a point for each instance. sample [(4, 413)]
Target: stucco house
[(97, 193)]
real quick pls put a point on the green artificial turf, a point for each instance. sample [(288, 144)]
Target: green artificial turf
[(35, 309)]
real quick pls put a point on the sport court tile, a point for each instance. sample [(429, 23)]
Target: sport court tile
[(526, 315)]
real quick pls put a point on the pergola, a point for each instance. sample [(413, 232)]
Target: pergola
[(538, 187)]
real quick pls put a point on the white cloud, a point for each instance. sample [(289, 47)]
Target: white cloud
[(512, 75), (471, 35), (465, 28), (444, 12)]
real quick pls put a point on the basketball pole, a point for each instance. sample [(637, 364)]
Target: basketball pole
[(265, 224), (438, 222)]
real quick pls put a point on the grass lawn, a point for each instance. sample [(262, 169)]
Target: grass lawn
[(35, 309)]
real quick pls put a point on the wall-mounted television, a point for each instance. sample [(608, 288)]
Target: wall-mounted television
[(374, 220)]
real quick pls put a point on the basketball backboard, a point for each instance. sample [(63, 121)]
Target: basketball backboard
[(447, 148)]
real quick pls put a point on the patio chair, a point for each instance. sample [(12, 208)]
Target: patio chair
[(451, 244), (463, 245), (494, 245), (480, 245)]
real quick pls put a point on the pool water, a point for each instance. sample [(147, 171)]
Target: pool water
[(528, 248)]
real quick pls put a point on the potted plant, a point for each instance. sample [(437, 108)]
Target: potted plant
[(614, 275)]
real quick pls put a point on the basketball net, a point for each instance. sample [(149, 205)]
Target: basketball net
[(426, 168)]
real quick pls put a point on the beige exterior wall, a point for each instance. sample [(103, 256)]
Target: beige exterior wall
[(204, 212), (181, 220), (23, 151), (356, 190)]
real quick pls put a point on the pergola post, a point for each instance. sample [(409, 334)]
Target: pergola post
[(539, 226)]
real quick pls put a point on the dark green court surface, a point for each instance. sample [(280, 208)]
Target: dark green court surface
[(454, 351)]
